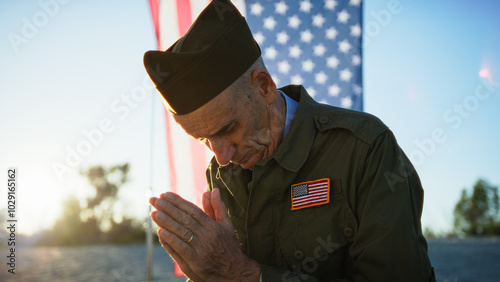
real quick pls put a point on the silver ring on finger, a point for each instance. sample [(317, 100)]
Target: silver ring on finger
[(190, 239)]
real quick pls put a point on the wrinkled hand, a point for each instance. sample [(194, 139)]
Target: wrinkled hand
[(214, 253)]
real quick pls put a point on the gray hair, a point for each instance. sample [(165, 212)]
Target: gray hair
[(243, 85)]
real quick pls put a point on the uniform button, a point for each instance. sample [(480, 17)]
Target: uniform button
[(298, 255), (348, 231), (324, 119)]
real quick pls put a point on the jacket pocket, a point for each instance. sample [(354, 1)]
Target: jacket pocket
[(315, 240)]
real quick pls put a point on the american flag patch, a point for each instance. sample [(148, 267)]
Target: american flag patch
[(311, 193)]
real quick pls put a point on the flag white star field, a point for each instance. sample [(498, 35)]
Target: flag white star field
[(316, 43)]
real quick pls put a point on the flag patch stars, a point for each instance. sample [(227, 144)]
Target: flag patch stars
[(313, 43)]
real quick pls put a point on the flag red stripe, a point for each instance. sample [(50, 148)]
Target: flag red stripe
[(199, 164), (184, 18), (313, 200), (319, 187), (311, 192), (318, 184), (177, 270), (184, 21), (310, 196), (154, 5), (155, 12), (310, 202), (170, 152), (322, 198)]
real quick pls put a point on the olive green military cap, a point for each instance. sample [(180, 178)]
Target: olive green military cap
[(216, 50)]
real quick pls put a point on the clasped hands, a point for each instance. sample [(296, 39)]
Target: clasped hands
[(203, 243)]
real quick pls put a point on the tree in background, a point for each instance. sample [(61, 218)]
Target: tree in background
[(106, 183), (94, 220), (70, 229), (478, 213)]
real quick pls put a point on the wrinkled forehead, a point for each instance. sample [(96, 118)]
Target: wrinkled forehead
[(209, 118)]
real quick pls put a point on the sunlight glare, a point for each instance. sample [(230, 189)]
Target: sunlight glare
[(43, 204), (484, 73)]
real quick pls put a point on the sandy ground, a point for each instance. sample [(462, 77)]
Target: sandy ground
[(454, 261)]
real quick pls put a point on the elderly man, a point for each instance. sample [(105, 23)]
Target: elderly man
[(298, 191)]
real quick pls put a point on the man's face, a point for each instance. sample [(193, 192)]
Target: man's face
[(237, 127)]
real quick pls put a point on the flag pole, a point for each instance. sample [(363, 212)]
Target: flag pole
[(149, 245), (149, 193), (154, 6)]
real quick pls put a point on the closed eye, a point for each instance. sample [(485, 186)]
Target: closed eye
[(226, 129)]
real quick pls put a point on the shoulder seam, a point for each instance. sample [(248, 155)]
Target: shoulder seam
[(364, 126)]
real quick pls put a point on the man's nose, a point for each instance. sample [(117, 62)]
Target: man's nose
[(223, 150)]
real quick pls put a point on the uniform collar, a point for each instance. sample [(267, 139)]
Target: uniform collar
[(294, 149)]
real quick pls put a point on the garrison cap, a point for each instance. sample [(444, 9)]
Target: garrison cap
[(216, 50)]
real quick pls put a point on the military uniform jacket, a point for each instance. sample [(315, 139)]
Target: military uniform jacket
[(370, 228)]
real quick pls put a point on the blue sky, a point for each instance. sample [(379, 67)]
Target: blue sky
[(79, 69), (421, 75)]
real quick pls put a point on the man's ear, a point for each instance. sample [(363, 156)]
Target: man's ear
[(263, 82)]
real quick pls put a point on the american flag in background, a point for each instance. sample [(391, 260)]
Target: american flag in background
[(316, 43)]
